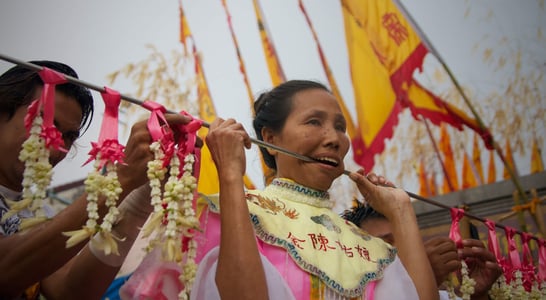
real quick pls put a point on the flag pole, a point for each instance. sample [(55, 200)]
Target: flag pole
[(512, 171)]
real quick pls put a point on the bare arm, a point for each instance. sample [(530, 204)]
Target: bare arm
[(90, 273), (32, 256), (396, 206), (240, 274)]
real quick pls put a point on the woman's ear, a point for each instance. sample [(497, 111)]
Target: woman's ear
[(269, 137)]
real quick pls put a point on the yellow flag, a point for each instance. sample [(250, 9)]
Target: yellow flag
[(371, 83), (384, 51), (509, 160), (536, 159), (491, 170), (450, 180), (476, 158), (273, 64), (423, 181), (268, 173), (468, 176), (433, 189), (208, 179), (184, 28)]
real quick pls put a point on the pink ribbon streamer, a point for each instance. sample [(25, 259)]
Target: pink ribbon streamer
[(542, 260), (492, 241), (159, 129), (186, 142), (108, 145), (455, 233), (53, 138), (513, 262), (527, 269)]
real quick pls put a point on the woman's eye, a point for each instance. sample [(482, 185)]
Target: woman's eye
[(341, 127), (313, 122)]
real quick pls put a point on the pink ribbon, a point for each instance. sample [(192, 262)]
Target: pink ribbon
[(492, 241), (32, 112), (159, 129), (513, 262), (527, 269), (186, 142), (512, 248), (542, 260), (455, 233), (53, 138), (108, 146)]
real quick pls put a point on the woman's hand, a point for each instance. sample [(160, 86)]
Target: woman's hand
[(381, 194), (132, 174), (226, 140)]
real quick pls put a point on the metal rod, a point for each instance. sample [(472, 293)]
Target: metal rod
[(254, 141)]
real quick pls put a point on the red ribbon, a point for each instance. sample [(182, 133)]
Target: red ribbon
[(455, 233), (542, 260), (53, 138), (108, 146)]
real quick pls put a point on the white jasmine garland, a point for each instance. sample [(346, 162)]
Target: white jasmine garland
[(156, 173), (500, 290), (172, 198), (518, 291), (96, 185), (467, 284), (36, 177), (450, 286), (535, 293), (191, 223), (173, 218), (111, 189)]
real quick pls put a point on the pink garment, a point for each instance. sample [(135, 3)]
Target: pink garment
[(396, 283), (285, 279)]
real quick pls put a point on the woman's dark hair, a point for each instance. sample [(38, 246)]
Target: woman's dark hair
[(18, 86), (273, 107), (361, 212)]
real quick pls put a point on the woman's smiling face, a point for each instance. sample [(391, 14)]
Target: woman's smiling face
[(316, 128)]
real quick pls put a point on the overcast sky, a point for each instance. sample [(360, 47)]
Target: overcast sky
[(100, 36)]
